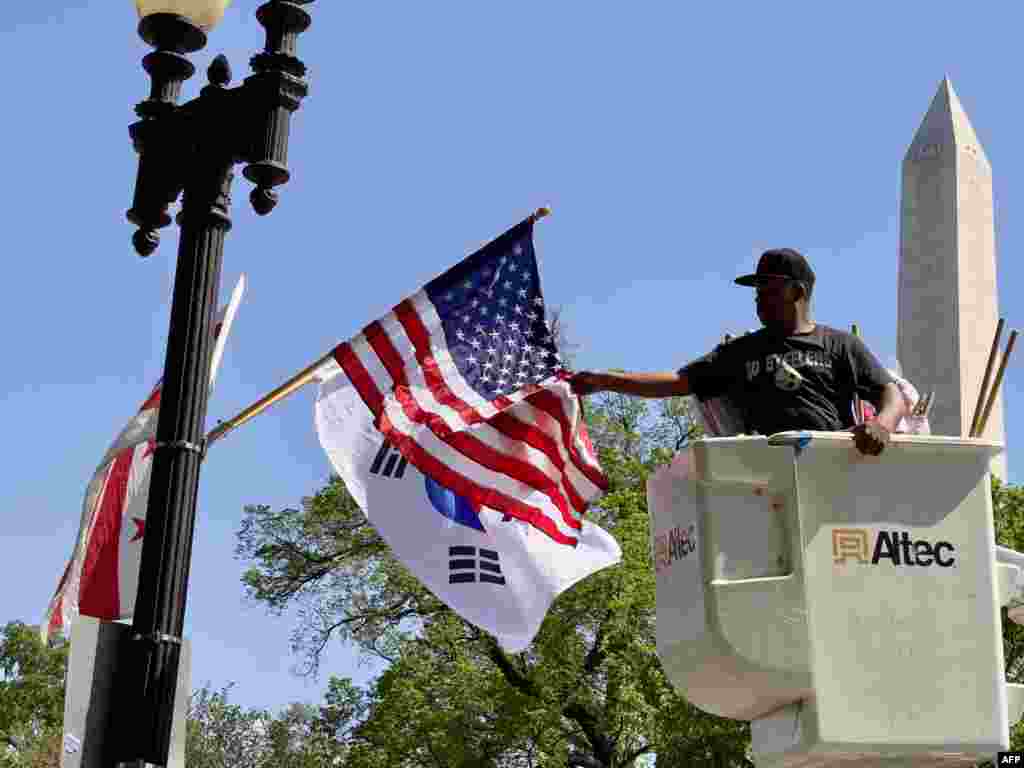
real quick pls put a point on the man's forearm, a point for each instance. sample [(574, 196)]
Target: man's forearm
[(668, 384), (892, 407)]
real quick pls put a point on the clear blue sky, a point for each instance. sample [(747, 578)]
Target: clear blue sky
[(673, 141)]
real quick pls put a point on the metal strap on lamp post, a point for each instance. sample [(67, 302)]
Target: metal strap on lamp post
[(181, 445)]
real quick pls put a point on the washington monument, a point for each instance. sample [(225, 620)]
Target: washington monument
[(948, 303)]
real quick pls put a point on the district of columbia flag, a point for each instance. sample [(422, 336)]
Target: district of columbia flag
[(464, 379), (101, 578), (496, 571)]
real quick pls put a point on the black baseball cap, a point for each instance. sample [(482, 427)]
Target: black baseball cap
[(786, 263)]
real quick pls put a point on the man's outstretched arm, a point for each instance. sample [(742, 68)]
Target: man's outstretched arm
[(666, 384)]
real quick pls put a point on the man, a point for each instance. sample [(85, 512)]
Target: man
[(792, 374)]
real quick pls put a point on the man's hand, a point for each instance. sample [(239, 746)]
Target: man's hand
[(871, 438), (588, 382)]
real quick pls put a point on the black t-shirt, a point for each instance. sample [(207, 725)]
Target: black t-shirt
[(779, 383)]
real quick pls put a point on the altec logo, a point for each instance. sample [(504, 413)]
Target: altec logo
[(674, 544), (895, 546)]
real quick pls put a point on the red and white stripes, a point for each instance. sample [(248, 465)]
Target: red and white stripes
[(101, 579), (525, 454)]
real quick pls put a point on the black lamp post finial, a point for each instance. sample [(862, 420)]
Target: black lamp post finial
[(173, 37), (219, 72)]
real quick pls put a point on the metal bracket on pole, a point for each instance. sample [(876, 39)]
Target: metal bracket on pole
[(158, 637), (182, 445)]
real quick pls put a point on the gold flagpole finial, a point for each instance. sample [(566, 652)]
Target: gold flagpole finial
[(540, 213)]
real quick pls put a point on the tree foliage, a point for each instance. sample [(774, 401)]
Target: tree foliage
[(32, 678), (225, 735), (220, 734), (1008, 512)]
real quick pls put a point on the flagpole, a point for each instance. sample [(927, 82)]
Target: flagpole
[(858, 404), (994, 392), (296, 382), (986, 379)]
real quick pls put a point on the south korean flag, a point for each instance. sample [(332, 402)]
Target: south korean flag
[(494, 571)]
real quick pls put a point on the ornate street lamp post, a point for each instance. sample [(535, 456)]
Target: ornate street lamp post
[(191, 150)]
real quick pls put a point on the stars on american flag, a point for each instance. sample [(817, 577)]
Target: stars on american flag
[(493, 320)]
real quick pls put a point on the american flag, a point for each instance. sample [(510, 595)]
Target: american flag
[(464, 378)]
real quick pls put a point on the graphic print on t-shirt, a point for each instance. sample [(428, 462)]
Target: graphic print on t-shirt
[(795, 358), (788, 378)]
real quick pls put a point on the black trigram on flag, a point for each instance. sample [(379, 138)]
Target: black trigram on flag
[(464, 567), (387, 457)]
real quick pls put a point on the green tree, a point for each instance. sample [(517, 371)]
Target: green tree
[(42, 751), (302, 737), (32, 679), (224, 735), (1008, 512)]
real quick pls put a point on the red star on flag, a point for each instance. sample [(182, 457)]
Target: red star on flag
[(140, 529)]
